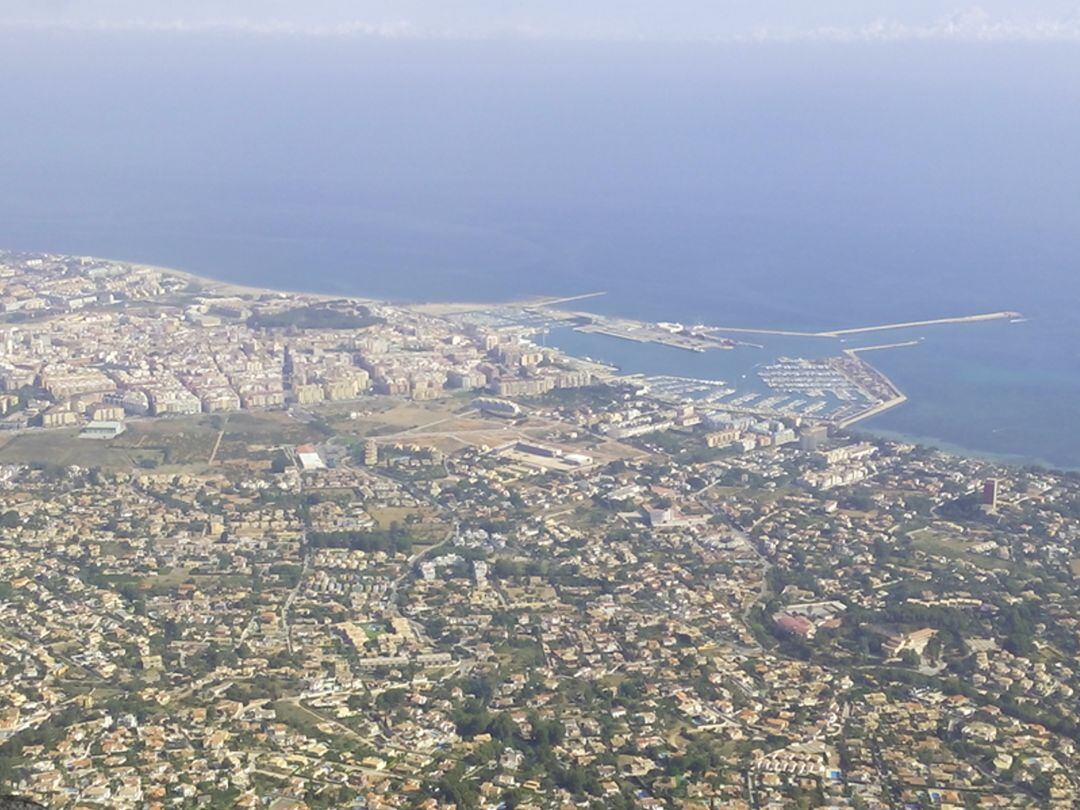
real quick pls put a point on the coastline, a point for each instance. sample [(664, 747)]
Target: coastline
[(860, 424), (953, 449), (228, 287), (898, 398), (435, 308)]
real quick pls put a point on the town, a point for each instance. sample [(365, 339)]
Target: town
[(283, 550)]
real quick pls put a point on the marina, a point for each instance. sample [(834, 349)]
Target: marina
[(802, 384), (682, 389)]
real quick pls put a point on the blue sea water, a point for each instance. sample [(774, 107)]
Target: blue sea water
[(986, 389), (798, 186)]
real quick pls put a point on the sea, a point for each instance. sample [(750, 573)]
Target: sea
[(791, 186)]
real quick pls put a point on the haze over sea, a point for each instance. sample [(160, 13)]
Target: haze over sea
[(794, 186)]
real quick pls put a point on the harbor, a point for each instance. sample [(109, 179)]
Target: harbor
[(793, 375)]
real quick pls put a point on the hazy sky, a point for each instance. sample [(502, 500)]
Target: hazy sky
[(585, 19)]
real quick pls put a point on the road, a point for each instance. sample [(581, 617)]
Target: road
[(287, 605), (766, 566), (392, 607), (745, 537), (217, 444), (292, 594)]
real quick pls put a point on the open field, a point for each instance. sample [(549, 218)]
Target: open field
[(199, 442), (172, 443), (144, 444), (385, 515), (448, 426), (168, 581), (254, 435), (426, 531), (944, 545), (382, 416), (175, 577), (60, 447), (180, 442), (303, 719)]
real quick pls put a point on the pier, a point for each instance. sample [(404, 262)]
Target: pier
[(548, 302), (710, 337), (854, 351), (637, 331), (989, 316), (643, 333), (837, 333), (879, 392)]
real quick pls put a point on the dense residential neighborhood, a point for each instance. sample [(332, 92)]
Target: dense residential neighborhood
[(290, 551)]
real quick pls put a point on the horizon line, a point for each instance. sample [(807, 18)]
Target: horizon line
[(969, 27)]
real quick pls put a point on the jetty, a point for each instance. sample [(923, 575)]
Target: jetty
[(856, 349), (989, 316), (549, 302), (885, 327)]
